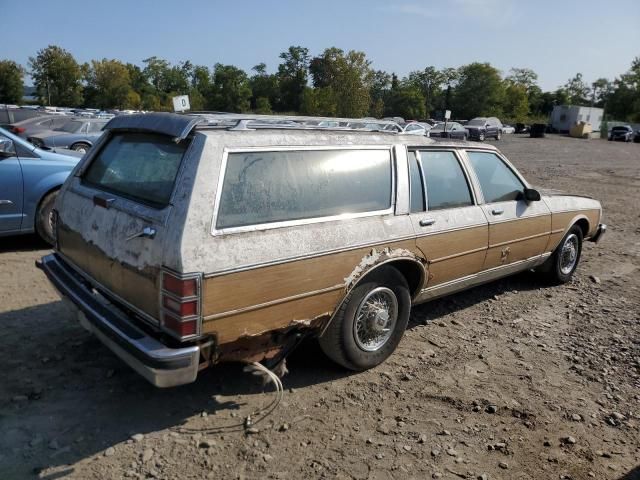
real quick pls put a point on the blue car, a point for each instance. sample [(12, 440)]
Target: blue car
[(29, 182)]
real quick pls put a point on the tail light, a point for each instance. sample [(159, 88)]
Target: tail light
[(180, 304), (18, 130)]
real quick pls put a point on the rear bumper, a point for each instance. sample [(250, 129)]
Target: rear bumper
[(600, 231), (159, 364)]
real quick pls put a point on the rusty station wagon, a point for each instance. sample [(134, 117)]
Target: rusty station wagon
[(189, 240)]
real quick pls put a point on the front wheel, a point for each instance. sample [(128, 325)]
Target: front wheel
[(370, 322), (563, 262), (44, 218), (481, 136), (498, 135)]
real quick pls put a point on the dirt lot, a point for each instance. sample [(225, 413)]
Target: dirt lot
[(513, 380)]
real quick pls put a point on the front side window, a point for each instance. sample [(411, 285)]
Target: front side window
[(139, 166), (498, 182), (267, 187), (447, 185)]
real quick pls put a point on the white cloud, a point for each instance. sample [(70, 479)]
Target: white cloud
[(496, 13)]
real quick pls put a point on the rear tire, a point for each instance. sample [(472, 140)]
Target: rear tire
[(80, 147), (44, 218), (562, 264), (370, 322)]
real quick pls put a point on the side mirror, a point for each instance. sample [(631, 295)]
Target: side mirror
[(6, 148), (531, 195)]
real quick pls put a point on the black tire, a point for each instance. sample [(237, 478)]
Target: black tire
[(81, 147), (341, 343), (481, 137), (464, 138), (498, 135), (44, 219), (553, 268)]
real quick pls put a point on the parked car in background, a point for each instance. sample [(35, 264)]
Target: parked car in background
[(454, 130), (77, 134), (522, 128), (481, 128), (184, 242), (417, 128), (636, 137), (29, 182), (508, 129), (35, 125), (621, 133)]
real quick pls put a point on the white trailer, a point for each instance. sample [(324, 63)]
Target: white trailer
[(564, 117)]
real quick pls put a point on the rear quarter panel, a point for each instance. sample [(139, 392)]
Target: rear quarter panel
[(566, 211)]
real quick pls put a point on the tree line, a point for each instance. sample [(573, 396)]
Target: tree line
[(333, 83)]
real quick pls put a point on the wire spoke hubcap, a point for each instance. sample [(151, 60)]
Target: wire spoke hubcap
[(569, 254), (376, 319)]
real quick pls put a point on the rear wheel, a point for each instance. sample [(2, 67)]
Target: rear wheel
[(371, 321), (44, 218), (563, 263), (81, 147)]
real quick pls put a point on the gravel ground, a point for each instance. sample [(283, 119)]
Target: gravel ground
[(511, 380)]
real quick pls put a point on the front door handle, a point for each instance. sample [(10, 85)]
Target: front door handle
[(426, 222), (497, 211), (6, 202), (147, 232)]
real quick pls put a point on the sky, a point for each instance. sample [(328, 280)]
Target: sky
[(556, 39)]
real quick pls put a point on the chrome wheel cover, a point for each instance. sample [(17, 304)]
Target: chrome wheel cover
[(375, 319), (569, 254)]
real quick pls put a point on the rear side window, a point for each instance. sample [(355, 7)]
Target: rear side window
[(447, 186), (139, 166), (498, 182), (268, 187)]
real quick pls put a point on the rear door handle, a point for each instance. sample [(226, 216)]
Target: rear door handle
[(6, 202), (426, 222), (497, 211)]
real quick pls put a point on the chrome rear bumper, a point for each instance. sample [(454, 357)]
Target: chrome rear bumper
[(601, 230), (159, 364)]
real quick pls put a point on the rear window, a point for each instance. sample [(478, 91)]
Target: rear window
[(268, 187), (138, 166)]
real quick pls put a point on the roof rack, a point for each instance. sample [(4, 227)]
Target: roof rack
[(247, 122)]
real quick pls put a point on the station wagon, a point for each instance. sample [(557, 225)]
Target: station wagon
[(190, 240)]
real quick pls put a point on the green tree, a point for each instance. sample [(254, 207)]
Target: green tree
[(379, 92), (429, 81), (623, 102), (577, 90), (230, 91), (319, 101), (265, 86), (516, 102), (108, 85), (404, 100), (525, 77), (348, 78), (600, 90), (263, 106), (292, 77), (11, 85), (480, 91), (57, 77)]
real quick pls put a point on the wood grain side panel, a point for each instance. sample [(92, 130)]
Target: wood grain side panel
[(231, 328), (456, 267), (560, 222), (505, 232), (270, 283), (516, 251)]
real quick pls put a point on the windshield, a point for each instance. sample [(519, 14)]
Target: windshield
[(70, 127), (620, 129), (477, 122)]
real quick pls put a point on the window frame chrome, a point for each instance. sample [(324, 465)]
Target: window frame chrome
[(303, 221), (470, 184)]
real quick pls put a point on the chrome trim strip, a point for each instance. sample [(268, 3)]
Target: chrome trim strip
[(558, 230), (98, 286), (455, 255), (306, 256), (572, 210), (524, 217), (272, 303), (306, 221), (485, 276), (521, 239)]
